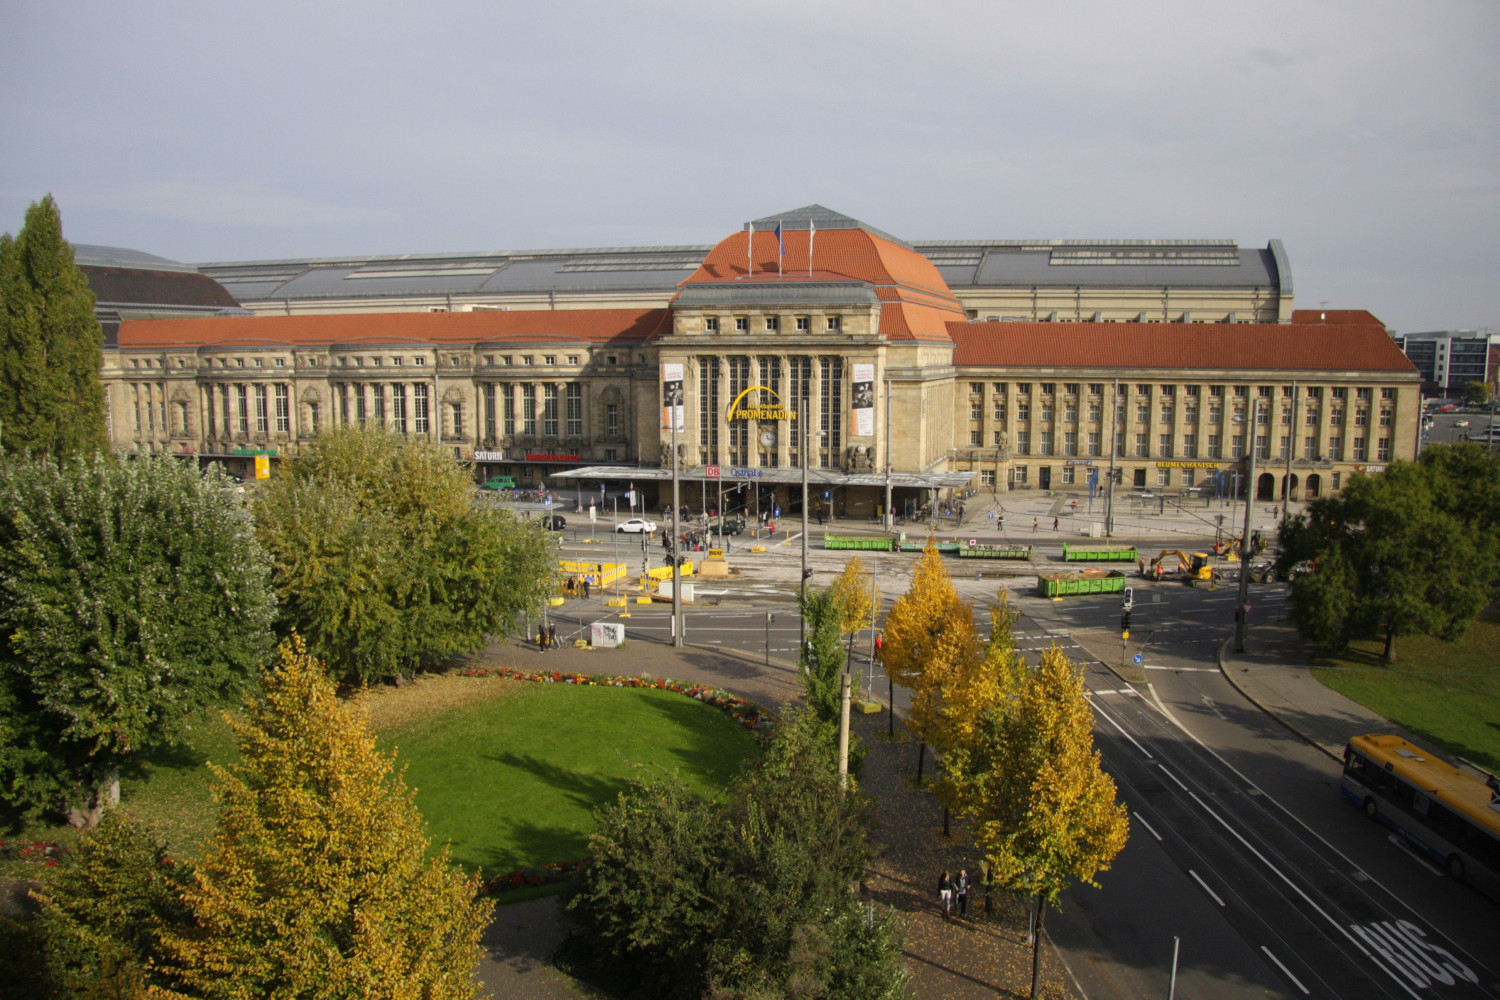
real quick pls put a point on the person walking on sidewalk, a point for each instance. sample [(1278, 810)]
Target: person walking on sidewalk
[(541, 638), (552, 636), (945, 892), (1054, 524), (961, 892), (1033, 525), (588, 579)]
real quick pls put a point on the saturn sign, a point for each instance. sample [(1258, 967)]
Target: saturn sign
[(758, 412)]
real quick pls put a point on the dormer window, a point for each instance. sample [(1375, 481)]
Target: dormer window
[(802, 324), (742, 324), (833, 324), (773, 324), (710, 324)]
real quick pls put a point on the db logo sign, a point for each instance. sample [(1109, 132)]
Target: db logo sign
[(711, 472)]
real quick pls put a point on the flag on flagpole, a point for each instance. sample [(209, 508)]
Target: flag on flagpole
[(812, 230), (750, 252), (780, 249)]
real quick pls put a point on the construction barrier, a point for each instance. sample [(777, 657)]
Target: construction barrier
[(1099, 553), (607, 573), (1096, 581)]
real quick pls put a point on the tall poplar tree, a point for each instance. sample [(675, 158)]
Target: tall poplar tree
[(317, 883), (51, 396)]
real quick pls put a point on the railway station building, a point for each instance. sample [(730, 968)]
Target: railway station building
[(887, 368)]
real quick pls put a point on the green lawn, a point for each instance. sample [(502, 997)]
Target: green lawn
[(1446, 693), (508, 771), (514, 783)]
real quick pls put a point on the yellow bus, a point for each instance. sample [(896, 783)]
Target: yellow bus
[(1448, 815)]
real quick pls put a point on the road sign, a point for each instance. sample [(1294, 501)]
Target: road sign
[(711, 472), (1137, 659)]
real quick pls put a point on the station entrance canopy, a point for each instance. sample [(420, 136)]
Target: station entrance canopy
[(779, 476)]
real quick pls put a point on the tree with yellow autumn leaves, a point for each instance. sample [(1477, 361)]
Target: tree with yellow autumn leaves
[(316, 881), (1029, 780)]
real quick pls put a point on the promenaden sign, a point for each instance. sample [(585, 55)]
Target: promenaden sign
[(759, 412)]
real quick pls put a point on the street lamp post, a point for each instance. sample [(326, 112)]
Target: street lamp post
[(889, 520), (1240, 622), (1114, 437), (672, 404)]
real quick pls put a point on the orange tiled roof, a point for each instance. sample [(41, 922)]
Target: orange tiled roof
[(584, 325), (1336, 347), (1333, 316), (918, 302)]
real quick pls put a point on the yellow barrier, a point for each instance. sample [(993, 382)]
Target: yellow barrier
[(757, 548), (607, 573), (665, 572), (616, 602), (643, 600)]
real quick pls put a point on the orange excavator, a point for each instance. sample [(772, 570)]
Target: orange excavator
[(1178, 564)]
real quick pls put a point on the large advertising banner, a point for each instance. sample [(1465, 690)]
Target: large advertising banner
[(671, 397), (864, 400)]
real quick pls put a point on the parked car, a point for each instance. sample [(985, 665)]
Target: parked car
[(554, 522), (636, 525), (734, 527)]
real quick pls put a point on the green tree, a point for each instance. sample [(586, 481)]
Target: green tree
[(1465, 483), (823, 658), (744, 899), (1041, 808), (316, 882), (382, 560), (1390, 561), (100, 918), (51, 346), (1476, 393), (131, 595)]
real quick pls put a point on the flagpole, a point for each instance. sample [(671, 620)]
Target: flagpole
[(780, 251), (812, 231), (750, 252)]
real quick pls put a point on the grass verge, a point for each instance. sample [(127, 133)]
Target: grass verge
[(1445, 693)]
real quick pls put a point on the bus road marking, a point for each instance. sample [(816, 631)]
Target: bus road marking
[(1142, 820)]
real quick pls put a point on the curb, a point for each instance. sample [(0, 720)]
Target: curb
[(1229, 676)]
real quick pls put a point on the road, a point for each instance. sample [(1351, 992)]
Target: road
[(1241, 850)]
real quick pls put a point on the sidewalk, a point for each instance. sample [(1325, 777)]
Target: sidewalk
[(1271, 674)]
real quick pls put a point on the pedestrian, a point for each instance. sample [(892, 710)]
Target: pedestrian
[(945, 893), (1054, 524), (587, 582), (552, 636), (1033, 525), (961, 892), (541, 638), (1141, 562)]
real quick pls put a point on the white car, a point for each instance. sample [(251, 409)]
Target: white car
[(636, 525)]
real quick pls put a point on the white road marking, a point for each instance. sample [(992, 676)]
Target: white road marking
[(1185, 670), (1206, 889), (1142, 820), (1108, 718), (1285, 971)]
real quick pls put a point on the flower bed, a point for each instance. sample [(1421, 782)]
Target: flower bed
[(746, 713), (39, 852)]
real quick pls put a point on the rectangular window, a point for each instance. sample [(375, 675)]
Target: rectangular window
[(1022, 473), (361, 414), (710, 325), (528, 409), (833, 324), (1164, 445), (1070, 443), (1383, 450), (574, 393), (1023, 443), (976, 438), (283, 409), (1070, 388), (378, 392), (224, 411), (987, 477), (508, 407), (1335, 449), (458, 420), (398, 407), (1163, 477), (803, 324), (773, 323), (1285, 451), (1047, 411), (1188, 475), (489, 410), (976, 388), (1340, 392), (976, 411), (1363, 392), (1190, 446), (549, 410), (1215, 446), (832, 371), (1215, 413), (1310, 447), (212, 422), (1237, 446), (612, 419), (996, 438), (262, 418), (1142, 413), (742, 324), (1046, 442), (1096, 411), (1023, 388), (1067, 475), (1000, 409), (1337, 480), (1142, 449), (1070, 412), (1361, 418), (1385, 418), (1312, 418), (1096, 388), (312, 417), (1262, 446), (1387, 393), (1143, 389), (1166, 414), (1360, 452), (1023, 411), (419, 408), (1096, 446)]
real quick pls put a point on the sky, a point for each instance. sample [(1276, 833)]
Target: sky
[(1362, 133)]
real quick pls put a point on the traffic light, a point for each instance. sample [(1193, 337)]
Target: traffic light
[(1125, 621)]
